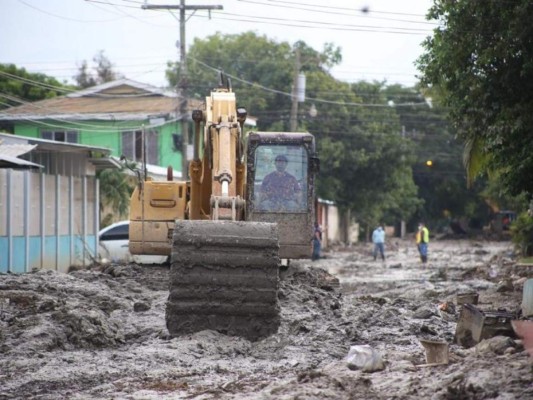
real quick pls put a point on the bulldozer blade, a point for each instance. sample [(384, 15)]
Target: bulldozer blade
[(224, 276)]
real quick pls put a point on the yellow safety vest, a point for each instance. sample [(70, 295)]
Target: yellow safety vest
[(422, 236)]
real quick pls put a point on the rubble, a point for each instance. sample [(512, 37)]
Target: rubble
[(100, 333)]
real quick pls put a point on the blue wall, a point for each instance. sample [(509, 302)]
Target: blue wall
[(19, 264)]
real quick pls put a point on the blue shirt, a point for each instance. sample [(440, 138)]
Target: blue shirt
[(378, 236)]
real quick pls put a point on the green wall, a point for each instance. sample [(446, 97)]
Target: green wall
[(108, 135), (167, 152), (27, 130)]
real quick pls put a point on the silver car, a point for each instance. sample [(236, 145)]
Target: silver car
[(114, 246)]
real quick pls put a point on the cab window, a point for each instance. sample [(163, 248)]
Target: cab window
[(280, 182)]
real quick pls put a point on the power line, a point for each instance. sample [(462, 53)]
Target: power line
[(287, 22), (328, 25), (63, 17), (308, 98), (341, 11), (341, 8)]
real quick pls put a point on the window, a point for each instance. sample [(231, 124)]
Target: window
[(132, 146), (120, 232), (61, 136), (280, 182)]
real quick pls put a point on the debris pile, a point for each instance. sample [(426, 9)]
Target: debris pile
[(351, 328)]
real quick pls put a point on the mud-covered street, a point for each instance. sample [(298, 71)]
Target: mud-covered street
[(100, 333)]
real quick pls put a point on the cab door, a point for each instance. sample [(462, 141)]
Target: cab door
[(295, 221)]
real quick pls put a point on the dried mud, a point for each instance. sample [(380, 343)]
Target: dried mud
[(100, 333)]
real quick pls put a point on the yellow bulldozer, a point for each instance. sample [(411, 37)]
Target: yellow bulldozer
[(229, 228)]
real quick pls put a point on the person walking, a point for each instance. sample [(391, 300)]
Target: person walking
[(422, 241), (378, 238), (317, 242)]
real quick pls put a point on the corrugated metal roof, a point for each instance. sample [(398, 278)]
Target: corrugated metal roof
[(10, 144), (16, 163), (52, 145), (105, 163), (15, 150), (118, 100)]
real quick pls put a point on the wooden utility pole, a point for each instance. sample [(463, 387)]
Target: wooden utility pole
[(183, 82)]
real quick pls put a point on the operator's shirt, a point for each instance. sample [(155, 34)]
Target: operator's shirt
[(280, 186)]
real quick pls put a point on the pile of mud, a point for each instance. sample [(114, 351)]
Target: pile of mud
[(100, 333)]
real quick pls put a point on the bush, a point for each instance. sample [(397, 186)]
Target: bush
[(522, 234)]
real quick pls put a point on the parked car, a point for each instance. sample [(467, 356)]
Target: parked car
[(113, 246)]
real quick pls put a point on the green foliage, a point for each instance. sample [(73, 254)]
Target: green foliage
[(499, 199), (84, 78), (522, 234), (442, 183), (481, 59), (26, 86), (115, 192), (260, 62)]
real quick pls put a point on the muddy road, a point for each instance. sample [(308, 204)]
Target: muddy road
[(100, 333)]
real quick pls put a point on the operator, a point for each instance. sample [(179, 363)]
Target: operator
[(280, 189)]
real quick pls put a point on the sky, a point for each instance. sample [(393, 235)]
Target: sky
[(379, 39)]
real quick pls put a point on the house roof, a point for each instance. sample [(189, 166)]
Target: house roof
[(122, 99), (99, 156)]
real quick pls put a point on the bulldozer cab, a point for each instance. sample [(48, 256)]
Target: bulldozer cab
[(281, 169)]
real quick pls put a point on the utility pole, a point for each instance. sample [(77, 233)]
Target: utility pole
[(183, 82), (293, 122)]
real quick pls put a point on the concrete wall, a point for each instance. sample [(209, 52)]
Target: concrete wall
[(337, 228)]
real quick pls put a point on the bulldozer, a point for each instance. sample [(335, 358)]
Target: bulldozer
[(225, 237)]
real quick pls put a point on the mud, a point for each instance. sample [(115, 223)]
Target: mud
[(101, 334)]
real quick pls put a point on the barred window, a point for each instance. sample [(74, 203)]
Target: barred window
[(132, 146), (61, 136)]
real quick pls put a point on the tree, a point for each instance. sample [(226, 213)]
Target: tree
[(437, 169), (257, 63), (103, 69), (84, 79), (481, 59), (115, 193), (17, 86), (366, 161)]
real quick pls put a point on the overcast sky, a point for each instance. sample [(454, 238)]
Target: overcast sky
[(55, 36)]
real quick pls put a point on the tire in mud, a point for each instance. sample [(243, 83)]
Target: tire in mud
[(224, 276)]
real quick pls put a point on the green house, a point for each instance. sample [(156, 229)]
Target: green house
[(115, 115)]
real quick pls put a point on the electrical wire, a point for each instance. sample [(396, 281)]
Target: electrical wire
[(328, 25), (318, 100), (287, 22), (341, 8), (63, 17), (308, 98), (342, 11)]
